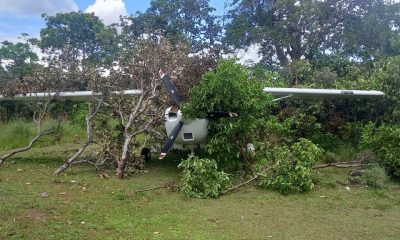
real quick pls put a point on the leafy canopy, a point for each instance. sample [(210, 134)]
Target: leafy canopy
[(189, 21), (290, 30)]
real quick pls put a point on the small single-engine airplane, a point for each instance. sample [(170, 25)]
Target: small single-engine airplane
[(188, 134)]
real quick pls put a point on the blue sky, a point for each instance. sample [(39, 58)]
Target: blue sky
[(24, 16)]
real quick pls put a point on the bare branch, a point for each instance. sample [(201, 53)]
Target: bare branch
[(92, 112)]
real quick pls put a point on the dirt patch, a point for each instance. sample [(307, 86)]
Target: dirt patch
[(37, 215)]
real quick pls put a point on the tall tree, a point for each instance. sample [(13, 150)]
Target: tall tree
[(189, 21), (79, 38), (17, 60), (290, 30)]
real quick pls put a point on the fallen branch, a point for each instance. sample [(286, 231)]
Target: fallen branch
[(89, 139), (342, 165), (240, 184), (38, 117), (255, 177)]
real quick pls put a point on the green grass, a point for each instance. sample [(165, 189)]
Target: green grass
[(342, 153), (18, 134), (82, 205)]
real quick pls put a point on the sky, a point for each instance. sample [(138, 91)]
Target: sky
[(24, 16)]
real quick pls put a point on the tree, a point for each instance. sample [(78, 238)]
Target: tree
[(18, 58), (79, 38), (189, 21), (290, 30), (138, 65)]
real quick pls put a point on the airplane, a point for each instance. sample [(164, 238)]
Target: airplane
[(188, 134)]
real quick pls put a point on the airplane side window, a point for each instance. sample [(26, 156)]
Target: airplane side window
[(188, 136)]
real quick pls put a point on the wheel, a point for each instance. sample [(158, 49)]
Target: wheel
[(146, 154)]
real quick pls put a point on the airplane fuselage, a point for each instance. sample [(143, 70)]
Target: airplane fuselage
[(193, 133)]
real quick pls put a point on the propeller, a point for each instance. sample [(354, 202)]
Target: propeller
[(177, 100), (170, 87), (171, 139)]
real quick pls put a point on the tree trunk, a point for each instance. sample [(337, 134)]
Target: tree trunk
[(121, 169), (124, 156), (280, 53)]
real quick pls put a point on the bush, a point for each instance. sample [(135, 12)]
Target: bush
[(200, 178), (78, 114), (230, 88), (327, 141), (385, 143), (374, 177), (291, 167)]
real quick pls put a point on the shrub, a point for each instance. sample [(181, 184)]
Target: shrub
[(327, 141), (375, 176), (230, 88), (291, 167), (200, 178), (385, 143), (78, 114)]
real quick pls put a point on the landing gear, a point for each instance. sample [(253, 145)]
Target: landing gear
[(146, 154)]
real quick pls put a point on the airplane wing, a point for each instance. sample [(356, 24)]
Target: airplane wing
[(279, 93), (282, 93), (78, 96)]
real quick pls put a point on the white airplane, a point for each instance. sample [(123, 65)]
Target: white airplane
[(188, 134)]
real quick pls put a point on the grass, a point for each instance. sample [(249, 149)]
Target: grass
[(18, 134), (82, 205)]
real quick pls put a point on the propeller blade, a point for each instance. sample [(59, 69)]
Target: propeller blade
[(171, 139), (218, 114), (171, 88)]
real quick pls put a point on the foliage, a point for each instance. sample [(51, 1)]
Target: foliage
[(18, 58), (288, 30), (200, 178), (290, 167), (297, 72), (386, 77), (327, 141), (375, 176), (230, 89), (76, 40), (384, 141), (188, 21)]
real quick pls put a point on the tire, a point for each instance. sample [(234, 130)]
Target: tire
[(146, 154)]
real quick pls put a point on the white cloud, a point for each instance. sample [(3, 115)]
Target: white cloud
[(108, 10), (28, 8), (248, 56)]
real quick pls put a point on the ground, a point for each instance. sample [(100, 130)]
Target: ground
[(83, 205)]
